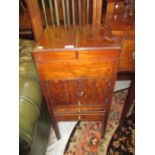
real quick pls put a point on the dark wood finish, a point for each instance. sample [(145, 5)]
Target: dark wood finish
[(24, 20), (59, 38), (90, 49), (127, 61), (75, 69), (122, 23), (53, 119), (37, 21), (37, 25), (123, 27), (114, 6), (93, 91), (97, 116), (125, 75), (83, 12), (78, 82), (129, 100), (97, 12), (62, 92)]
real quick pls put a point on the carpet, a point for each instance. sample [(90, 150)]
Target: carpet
[(85, 138), (123, 140)]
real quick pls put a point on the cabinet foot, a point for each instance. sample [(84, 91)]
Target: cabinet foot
[(56, 130)]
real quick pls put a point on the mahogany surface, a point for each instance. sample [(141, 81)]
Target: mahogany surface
[(77, 79), (126, 37), (94, 56), (123, 27), (120, 18)]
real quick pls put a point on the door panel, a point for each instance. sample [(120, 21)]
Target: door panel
[(63, 92), (93, 91)]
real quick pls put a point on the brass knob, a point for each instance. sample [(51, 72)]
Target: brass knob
[(79, 104), (79, 117), (78, 109), (109, 83), (116, 6), (106, 100)]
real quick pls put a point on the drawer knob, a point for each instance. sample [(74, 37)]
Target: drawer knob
[(106, 100), (109, 83), (116, 6), (79, 117), (78, 109), (79, 104), (81, 93)]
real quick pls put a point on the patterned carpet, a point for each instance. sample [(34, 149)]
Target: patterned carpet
[(123, 140), (85, 139)]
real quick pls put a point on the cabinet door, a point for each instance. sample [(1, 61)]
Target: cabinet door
[(63, 92), (93, 92)]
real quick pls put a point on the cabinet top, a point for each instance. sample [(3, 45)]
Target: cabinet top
[(76, 38)]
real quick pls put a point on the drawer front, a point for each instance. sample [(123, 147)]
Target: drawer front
[(95, 116), (58, 109), (75, 69)]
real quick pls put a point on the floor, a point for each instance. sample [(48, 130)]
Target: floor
[(56, 147)]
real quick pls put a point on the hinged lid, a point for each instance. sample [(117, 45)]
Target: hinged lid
[(76, 38)]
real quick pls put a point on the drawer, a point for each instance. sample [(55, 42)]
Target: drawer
[(93, 116), (92, 108), (54, 56), (74, 109), (75, 69)]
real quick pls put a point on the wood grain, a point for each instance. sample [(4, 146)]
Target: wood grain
[(37, 25), (124, 30), (78, 82), (93, 91), (97, 10), (74, 69), (63, 92), (83, 117)]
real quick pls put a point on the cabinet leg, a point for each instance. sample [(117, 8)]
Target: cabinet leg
[(56, 129), (54, 124), (103, 133), (129, 101), (103, 129)]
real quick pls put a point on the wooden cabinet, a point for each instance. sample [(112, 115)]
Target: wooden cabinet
[(120, 17), (78, 81), (127, 56)]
